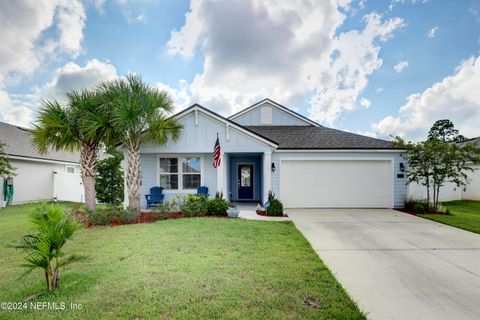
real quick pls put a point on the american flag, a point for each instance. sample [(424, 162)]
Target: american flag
[(216, 154)]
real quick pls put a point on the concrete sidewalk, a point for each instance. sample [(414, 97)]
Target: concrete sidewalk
[(397, 266)]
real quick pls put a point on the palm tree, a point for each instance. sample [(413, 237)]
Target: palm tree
[(81, 124), (52, 229), (139, 113)]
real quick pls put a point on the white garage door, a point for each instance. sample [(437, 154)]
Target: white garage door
[(336, 184)]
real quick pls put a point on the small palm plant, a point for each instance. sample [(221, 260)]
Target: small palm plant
[(53, 227)]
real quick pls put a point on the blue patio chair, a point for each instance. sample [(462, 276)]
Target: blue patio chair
[(202, 190), (155, 197)]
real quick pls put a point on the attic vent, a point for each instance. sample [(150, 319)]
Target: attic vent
[(266, 115)]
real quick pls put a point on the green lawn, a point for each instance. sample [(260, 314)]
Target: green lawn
[(464, 214), (187, 268)]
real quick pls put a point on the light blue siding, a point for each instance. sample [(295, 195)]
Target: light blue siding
[(279, 118), (400, 188), (201, 138), (197, 140)]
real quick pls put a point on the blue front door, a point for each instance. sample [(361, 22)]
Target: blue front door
[(245, 182)]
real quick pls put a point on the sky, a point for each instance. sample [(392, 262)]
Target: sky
[(379, 68)]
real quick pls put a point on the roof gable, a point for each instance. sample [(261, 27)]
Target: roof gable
[(279, 111), (198, 108)]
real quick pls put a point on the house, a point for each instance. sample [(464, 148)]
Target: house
[(450, 192), (268, 146), (55, 175)]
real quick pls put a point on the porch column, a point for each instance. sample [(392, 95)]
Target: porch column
[(267, 174), (220, 174)]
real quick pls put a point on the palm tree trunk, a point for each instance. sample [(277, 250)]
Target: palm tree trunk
[(88, 161), (134, 178)]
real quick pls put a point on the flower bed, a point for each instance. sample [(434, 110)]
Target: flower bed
[(181, 207)]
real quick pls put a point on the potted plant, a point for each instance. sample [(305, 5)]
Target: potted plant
[(232, 211), (261, 211)]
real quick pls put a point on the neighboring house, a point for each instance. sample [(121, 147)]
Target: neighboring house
[(450, 191), (270, 147), (55, 175)]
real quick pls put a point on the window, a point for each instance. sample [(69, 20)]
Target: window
[(191, 172), (169, 173), (70, 169), (186, 176)]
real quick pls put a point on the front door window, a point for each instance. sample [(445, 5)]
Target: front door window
[(245, 182)]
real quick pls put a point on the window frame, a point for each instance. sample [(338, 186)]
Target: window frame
[(70, 166), (180, 172)]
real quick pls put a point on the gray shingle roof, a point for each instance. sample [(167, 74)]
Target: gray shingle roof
[(19, 144), (311, 137), (472, 140)]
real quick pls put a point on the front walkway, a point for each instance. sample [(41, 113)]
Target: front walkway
[(397, 266), (247, 211)]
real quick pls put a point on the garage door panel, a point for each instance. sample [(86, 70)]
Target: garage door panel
[(343, 183)]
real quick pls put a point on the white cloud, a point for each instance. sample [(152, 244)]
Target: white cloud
[(364, 102), (432, 33), (455, 97), (24, 45), (132, 18), (20, 108), (289, 52), (14, 114), (379, 90), (400, 66)]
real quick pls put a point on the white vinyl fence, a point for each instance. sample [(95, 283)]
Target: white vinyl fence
[(449, 191), (67, 187)]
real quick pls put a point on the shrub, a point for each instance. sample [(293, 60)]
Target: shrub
[(111, 215), (109, 179), (218, 205), (275, 208), (417, 206), (53, 227), (193, 205)]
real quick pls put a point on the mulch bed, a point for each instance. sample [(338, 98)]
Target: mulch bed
[(145, 217)]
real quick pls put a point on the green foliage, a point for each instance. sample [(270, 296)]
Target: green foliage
[(436, 161), (139, 113), (6, 169), (275, 208), (444, 130), (111, 215), (109, 180), (53, 227), (82, 125), (193, 205), (271, 196), (218, 205)]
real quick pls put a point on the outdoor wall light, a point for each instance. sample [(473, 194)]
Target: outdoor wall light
[(402, 167), (273, 166)]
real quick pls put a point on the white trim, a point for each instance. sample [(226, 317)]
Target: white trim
[(338, 150), (278, 106), (222, 120), (42, 160), (180, 173), (267, 175), (392, 173)]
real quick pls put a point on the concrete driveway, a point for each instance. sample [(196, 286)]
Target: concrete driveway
[(397, 266)]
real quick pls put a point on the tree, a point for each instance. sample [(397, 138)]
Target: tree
[(436, 161), (109, 180), (445, 131), (52, 229), (81, 124), (6, 169), (139, 113)]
